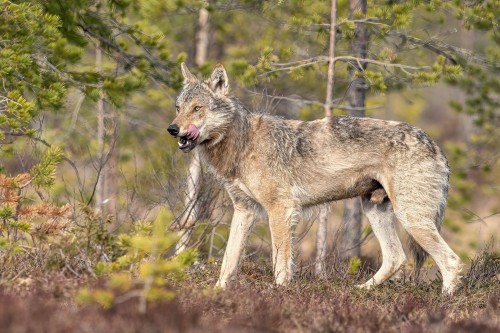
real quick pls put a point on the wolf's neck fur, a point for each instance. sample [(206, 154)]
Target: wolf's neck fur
[(225, 155)]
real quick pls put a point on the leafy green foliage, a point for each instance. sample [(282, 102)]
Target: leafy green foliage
[(144, 269), (43, 174), (31, 45), (354, 265)]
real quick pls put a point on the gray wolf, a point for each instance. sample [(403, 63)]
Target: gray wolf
[(282, 167)]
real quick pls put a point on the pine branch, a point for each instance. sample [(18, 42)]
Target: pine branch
[(66, 75), (47, 144), (161, 67)]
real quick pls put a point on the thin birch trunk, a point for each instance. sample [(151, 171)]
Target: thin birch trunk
[(99, 191), (191, 202), (194, 175), (321, 236), (350, 236), (202, 37), (111, 178)]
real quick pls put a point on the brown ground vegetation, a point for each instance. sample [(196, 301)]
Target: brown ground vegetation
[(46, 304)]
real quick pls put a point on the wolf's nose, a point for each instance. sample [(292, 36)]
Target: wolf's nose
[(173, 129)]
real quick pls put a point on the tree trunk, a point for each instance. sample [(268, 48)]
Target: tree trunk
[(99, 189), (321, 236), (321, 242), (350, 231), (350, 237), (111, 173), (191, 202), (194, 174), (202, 37)]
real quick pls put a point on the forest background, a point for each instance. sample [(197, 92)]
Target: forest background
[(88, 173)]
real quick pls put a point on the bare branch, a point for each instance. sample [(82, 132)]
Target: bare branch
[(381, 63), (6, 99), (369, 20), (450, 52), (303, 101), (323, 59), (299, 64)]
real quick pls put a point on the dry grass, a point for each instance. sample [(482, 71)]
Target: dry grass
[(46, 304)]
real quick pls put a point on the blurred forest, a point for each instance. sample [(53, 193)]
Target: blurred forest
[(88, 90)]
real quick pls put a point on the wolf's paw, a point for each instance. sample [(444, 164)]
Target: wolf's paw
[(367, 285), (220, 285)]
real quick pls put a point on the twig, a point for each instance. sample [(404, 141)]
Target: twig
[(479, 218), (369, 20), (323, 59), (302, 101), (443, 49)]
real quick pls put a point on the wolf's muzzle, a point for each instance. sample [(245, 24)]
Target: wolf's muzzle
[(173, 129)]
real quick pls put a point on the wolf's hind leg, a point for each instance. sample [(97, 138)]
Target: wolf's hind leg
[(381, 217), (426, 234)]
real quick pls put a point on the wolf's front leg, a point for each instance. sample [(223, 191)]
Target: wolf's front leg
[(241, 225), (280, 223)]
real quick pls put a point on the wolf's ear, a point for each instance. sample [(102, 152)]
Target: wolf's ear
[(188, 77), (218, 80)]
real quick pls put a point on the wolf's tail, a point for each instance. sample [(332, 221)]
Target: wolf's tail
[(418, 253)]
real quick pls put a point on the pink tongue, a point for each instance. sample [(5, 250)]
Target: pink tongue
[(192, 132)]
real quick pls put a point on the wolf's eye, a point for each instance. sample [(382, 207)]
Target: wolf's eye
[(176, 109), (197, 108)]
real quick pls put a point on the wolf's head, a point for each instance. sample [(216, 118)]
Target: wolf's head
[(204, 110)]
